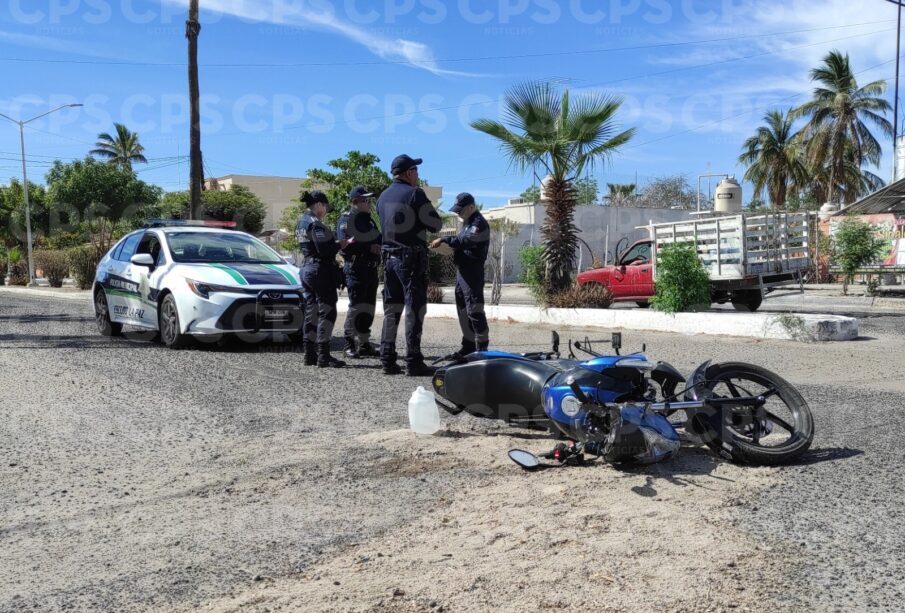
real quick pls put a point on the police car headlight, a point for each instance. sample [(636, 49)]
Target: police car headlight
[(206, 289)]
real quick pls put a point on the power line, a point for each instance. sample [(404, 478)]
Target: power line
[(483, 58)]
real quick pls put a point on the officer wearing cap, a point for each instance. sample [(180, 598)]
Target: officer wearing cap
[(470, 249), (406, 216), (362, 258), (319, 279)]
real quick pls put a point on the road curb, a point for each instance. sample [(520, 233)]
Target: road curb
[(53, 293), (783, 326), (805, 327)]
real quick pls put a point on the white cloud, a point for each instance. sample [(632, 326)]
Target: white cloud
[(45, 42), (301, 15)]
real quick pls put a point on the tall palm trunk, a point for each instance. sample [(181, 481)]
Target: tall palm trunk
[(192, 29), (559, 232)]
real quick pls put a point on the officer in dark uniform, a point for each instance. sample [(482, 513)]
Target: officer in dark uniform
[(320, 277), (470, 249), (362, 258), (406, 216)]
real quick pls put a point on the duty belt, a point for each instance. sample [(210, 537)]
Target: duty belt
[(357, 260)]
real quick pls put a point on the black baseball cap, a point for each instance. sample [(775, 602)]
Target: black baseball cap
[(401, 163), (359, 191), (462, 201)]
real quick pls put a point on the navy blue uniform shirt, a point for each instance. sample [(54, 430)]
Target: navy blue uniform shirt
[(406, 216), (472, 243), (358, 225), (315, 239)]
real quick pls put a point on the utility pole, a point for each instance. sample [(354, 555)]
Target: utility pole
[(192, 29), (895, 107)]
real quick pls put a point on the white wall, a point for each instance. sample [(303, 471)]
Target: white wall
[(592, 221)]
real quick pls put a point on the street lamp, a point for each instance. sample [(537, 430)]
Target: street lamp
[(22, 124)]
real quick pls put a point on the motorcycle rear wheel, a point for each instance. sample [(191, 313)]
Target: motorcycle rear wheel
[(776, 433)]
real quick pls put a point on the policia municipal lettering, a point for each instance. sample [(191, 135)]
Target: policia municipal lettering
[(470, 249), (320, 278), (362, 259)]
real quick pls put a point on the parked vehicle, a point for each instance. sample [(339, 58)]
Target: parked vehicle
[(628, 408), (746, 256), (184, 280)]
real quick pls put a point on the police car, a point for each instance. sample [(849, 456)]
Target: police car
[(184, 280)]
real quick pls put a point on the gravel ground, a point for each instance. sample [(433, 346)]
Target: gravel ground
[(135, 478)]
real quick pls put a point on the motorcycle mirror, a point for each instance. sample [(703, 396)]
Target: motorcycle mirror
[(555, 339), (617, 342), (525, 459)]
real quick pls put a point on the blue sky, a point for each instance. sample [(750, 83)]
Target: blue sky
[(289, 84)]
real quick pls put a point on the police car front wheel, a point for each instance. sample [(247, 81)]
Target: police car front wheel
[(168, 321), (105, 325)]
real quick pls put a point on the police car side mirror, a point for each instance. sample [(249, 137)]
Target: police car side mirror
[(142, 259)]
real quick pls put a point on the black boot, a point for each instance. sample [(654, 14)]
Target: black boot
[(310, 353), (324, 359), (366, 350), (417, 368), (390, 367), (349, 350)]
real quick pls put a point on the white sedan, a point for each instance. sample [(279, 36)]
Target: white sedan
[(185, 281)]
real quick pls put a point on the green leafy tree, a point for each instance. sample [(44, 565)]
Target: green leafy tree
[(45, 219), (586, 190), (238, 204), (855, 245), (682, 283), (774, 158), (104, 196), (837, 133), (531, 194), (500, 229), (120, 149), (565, 138), (356, 168)]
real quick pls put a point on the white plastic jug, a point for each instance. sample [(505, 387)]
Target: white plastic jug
[(424, 416)]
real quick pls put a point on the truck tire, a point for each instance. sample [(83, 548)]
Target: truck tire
[(748, 300)]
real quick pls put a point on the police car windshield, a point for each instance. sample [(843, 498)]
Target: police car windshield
[(203, 247)]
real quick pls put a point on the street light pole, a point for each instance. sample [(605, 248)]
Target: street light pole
[(895, 108), (22, 124)]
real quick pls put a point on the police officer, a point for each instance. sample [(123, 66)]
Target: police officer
[(362, 258), (406, 216), (320, 278), (470, 248)]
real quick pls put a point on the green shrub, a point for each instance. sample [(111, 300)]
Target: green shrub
[(83, 262), (18, 267), (55, 265), (856, 245), (588, 296), (533, 270), (682, 283)]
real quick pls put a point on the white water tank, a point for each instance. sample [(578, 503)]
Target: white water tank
[(728, 196)]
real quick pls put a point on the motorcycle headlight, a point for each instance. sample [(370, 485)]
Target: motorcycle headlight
[(206, 289)]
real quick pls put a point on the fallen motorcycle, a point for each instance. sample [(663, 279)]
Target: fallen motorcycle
[(626, 408)]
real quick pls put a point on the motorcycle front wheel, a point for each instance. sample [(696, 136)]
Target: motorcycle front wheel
[(776, 433)]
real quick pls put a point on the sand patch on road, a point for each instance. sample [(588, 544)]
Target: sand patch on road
[(594, 537)]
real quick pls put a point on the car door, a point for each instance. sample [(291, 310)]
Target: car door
[(633, 265), (147, 281), (118, 285)]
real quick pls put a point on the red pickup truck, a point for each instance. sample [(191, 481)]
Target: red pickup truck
[(631, 279)]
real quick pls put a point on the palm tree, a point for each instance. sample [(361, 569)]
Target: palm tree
[(837, 133), (773, 156), (121, 150), (620, 194), (565, 138)]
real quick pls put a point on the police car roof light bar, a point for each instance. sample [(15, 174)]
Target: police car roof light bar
[(205, 223)]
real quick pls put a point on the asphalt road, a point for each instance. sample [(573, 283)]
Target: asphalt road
[(133, 477)]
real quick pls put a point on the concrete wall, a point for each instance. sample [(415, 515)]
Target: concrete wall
[(593, 221)]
